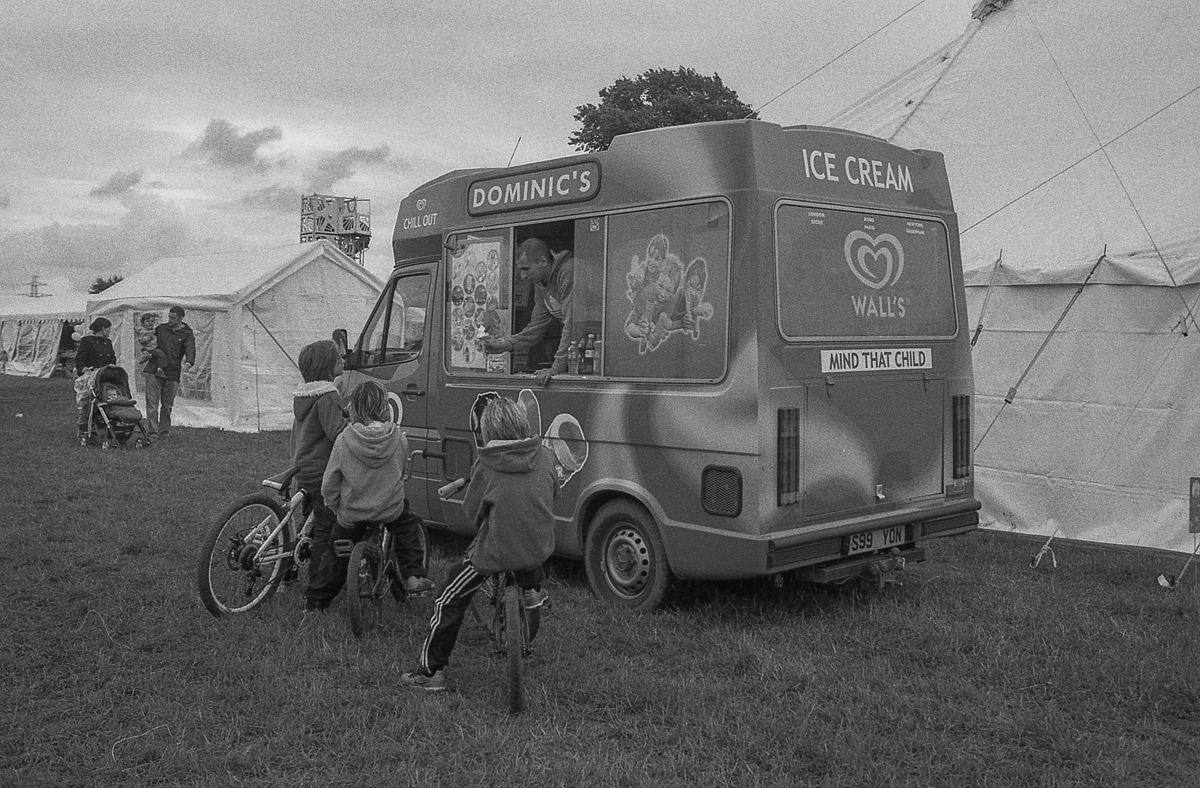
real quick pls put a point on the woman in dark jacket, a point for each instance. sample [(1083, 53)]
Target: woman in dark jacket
[(96, 349)]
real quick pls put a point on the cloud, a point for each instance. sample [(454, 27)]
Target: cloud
[(282, 199), (151, 229), (224, 145), (118, 184), (5, 200), (341, 165)]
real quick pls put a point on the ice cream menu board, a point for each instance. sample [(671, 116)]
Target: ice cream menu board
[(479, 304)]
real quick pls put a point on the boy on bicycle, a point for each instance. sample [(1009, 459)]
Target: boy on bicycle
[(510, 500), (364, 484), (319, 419)]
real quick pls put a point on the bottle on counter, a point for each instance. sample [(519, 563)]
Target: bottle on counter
[(573, 359), (588, 367)]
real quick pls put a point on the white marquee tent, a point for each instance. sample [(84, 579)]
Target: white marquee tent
[(1071, 130), (252, 312), (30, 331)]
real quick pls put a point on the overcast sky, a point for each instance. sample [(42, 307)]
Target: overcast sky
[(132, 130)]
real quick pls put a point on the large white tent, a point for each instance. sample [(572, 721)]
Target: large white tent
[(30, 331), (1071, 131), (251, 312)]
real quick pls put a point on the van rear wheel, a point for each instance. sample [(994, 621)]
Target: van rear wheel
[(624, 556)]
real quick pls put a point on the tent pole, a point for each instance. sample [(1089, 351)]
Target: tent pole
[(257, 401), (1012, 392), (986, 296)]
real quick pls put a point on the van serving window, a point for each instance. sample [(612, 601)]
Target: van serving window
[(643, 295), (843, 273)]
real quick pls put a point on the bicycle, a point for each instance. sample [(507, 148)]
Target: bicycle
[(370, 577), (255, 546), (497, 605)]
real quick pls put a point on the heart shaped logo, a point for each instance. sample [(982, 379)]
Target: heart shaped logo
[(875, 261)]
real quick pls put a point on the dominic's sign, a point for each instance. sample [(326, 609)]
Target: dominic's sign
[(573, 183)]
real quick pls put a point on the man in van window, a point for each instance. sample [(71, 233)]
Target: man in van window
[(553, 276)]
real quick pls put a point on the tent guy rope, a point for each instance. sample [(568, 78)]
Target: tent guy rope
[(1111, 164), (828, 63)]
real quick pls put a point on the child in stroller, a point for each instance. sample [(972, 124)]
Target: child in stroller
[(112, 414)]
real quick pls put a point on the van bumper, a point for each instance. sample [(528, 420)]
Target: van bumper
[(822, 545), (706, 554)]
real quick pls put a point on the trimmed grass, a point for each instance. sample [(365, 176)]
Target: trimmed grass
[(977, 672)]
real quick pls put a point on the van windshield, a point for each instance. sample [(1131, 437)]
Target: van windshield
[(845, 273)]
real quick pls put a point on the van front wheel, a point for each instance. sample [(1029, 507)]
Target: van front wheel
[(624, 557)]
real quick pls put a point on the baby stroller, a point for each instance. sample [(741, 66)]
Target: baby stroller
[(112, 416)]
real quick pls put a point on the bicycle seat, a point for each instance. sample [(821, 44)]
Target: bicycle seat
[(281, 481)]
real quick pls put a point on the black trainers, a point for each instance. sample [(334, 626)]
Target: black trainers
[(419, 678)]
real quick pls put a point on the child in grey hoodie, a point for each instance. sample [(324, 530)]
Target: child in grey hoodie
[(364, 484), (510, 499)]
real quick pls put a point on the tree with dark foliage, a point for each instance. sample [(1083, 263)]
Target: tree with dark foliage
[(659, 97), (101, 284)]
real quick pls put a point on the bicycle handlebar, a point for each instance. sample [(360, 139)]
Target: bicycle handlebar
[(446, 490)]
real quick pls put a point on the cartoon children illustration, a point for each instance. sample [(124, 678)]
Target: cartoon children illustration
[(665, 297)]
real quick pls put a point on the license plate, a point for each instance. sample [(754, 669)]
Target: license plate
[(874, 540)]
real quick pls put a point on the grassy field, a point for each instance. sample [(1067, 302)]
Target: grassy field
[(978, 671)]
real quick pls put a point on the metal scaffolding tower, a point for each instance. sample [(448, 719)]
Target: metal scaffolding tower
[(344, 220)]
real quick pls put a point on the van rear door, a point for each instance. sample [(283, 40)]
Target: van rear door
[(871, 295)]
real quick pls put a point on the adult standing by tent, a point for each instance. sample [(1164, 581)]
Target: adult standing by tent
[(177, 344), (95, 351)]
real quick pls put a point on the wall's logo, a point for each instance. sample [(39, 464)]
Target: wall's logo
[(421, 204), (876, 262)]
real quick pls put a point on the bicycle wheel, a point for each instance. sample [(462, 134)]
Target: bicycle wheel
[(228, 578), (514, 647), (364, 602)]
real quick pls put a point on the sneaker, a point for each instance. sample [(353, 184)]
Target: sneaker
[(535, 597), (315, 606), (418, 585), (419, 678)]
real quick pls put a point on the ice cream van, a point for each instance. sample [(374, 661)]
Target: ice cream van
[(774, 366)]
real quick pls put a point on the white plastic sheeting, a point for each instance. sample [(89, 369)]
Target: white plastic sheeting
[(252, 312), (1071, 130), (30, 331)]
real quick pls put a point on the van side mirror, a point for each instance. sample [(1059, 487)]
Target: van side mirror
[(342, 339)]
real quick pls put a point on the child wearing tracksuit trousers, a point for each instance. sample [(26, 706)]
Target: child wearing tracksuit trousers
[(319, 419), (364, 484), (510, 500)]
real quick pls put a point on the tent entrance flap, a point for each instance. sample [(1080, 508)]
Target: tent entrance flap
[(861, 451)]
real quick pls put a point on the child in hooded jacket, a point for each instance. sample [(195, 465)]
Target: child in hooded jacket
[(319, 419), (510, 499), (364, 484)]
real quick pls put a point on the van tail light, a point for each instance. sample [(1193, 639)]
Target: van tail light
[(962, 436), (787, 457)]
